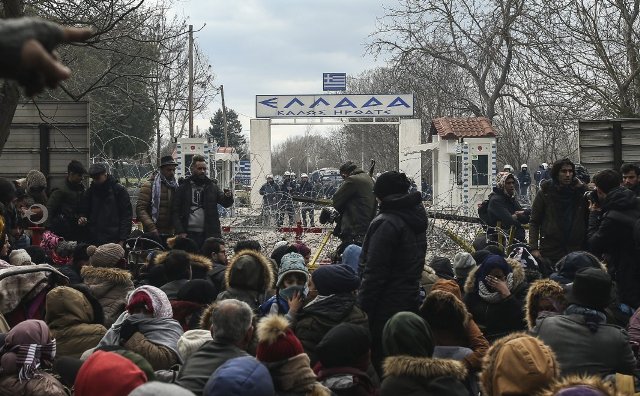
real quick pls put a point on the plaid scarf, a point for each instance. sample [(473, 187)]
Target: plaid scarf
[(156, 191), (30, 355)]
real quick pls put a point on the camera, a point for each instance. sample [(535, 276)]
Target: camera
[(592, 195), (328, 215)]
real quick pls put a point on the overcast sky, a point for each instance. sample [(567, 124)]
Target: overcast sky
[(279, 47)]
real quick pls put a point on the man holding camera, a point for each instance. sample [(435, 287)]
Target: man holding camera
[(612, 217), (558, 222), (195, 204)]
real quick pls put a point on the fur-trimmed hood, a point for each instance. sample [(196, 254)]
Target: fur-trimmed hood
[(423, 367), (117, 276), (518, 364), (518, 276), (196, 260), (205, 318), (575, 380), (250, 270), (543, 289)]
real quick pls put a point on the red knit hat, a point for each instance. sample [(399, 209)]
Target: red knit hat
[(140, 299), (276, 341), (108, 374)]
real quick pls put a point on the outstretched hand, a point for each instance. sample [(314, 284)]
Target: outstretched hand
[(27, 47)]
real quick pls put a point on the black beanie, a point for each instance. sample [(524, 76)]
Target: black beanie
[(186, 244), (345, 345), (391, 182), (443, 268), (335, 278)]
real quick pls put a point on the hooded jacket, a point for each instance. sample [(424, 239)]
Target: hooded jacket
[(212, 196), (164, 225), (393, 258), (611, 237), (200, 266), (247, 278), (579, 382), (108, 209), (501, 208), (71, 319), (110, 286), (543, 293), (356, 203), (548, 221), (501, 318), (414, 376), (316, 319)]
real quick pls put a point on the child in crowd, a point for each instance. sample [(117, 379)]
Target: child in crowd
[(291, 287)]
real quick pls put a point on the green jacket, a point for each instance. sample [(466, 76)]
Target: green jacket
[(356, 203)]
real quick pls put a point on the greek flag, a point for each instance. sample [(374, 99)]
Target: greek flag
[(334, 81)]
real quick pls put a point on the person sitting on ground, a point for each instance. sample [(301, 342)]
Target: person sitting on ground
[(177, 270), (495, 293), (343, 361), (147, 328), (241, 376), (452, 326), (107, 374), (281, 352), (75, 319), (336, 303), (80, 258), (28, 349), (248, 278), (250, 244), (442, 267), (579, 385), (463, 263), (518, 365), (581, 338), (544, 298), (200, 264), (409, 368), (108, 283), (191, 301), (216, 249), (232, 331), (291, 287)]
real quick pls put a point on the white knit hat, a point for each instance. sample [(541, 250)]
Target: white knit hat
[(191, 341), (19, 257)]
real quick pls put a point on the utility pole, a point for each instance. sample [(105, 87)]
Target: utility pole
[(190, 81), (224, 118)]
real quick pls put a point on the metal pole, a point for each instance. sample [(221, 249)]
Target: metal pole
[(224, 118), (190, 81)]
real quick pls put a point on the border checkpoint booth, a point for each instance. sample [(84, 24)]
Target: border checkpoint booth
[(464, 161)]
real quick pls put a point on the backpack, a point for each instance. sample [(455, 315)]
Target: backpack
[(483, 210)]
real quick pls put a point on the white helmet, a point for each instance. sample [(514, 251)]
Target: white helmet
[(293, 174), (523, 166), (304, 175), (287, 173), (544, 165), (508, 167), (269, 176)]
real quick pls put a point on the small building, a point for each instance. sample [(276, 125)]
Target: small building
[(464, 161)]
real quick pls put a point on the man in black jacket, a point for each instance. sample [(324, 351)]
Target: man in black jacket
[(393, 255), (505, 208), (610, 233), (195, 204), (106, 209), (64, 204), (631, 177)]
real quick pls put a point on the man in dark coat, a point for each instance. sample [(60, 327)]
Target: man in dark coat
[(558, 223), (306, 189), (285, 203), (393, 255), (232, 332), (106, 210), (631, 177), (195, 204), (270, 196), (64, 204), (610, 233), (524, 177), (505, 208), (356, 204)]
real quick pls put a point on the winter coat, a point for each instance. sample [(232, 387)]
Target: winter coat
[(286, 189), (164, 225), (196, 371), (270, 193), (506, 316), (42, 384), (159, 357), (356, 204), (212, 196), (579, 351), (576, 382), (611, 238), (200, 265), (501, 208), (347, 381), (108, 209), (524, 177), (70, 318), (64, 210), (317, 318), (110, 286), (548, 221), (216, 276), (248, 282), (171, 288), (393, 257), (408, 376)]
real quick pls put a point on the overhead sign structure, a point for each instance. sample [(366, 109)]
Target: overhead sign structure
[(313, 106), (334, 81)]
